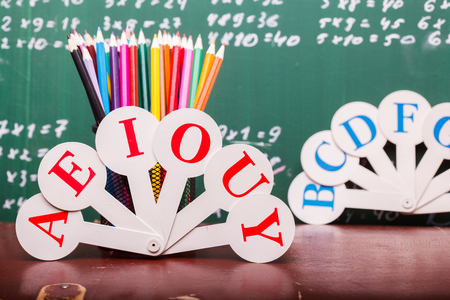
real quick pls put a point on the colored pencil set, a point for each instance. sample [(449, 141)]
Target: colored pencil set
[(123, 73)]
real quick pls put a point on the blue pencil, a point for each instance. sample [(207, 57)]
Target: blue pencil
[(101, 71)]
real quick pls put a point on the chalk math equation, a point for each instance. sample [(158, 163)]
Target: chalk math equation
[(22, 174), (49, 32), (342, 22), (430, 28)]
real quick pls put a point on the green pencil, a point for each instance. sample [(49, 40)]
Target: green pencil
[(196, 70), (144, 86)]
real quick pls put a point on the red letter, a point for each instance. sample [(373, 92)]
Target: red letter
[(204, 145), (258, 230), (59, 216), (67, 177), (236, 168), (131, 137)]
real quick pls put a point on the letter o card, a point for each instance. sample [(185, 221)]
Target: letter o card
[(313, 203), (261, 228), (185, 140), (46, 232)]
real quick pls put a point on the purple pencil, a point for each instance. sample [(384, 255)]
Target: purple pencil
[(115, 75), (124, 71)]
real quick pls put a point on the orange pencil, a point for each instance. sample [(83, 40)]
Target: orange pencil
[(207, 87), (166, 56), (207, 64), (134, 82)]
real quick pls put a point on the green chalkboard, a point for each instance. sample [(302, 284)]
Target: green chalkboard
[(289, 65)]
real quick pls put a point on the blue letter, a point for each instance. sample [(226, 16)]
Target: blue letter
[(326, 166), (400, 116), (438, 128), (317, 202), (352, 134)]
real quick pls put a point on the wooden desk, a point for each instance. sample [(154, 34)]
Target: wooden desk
[(324, 262)]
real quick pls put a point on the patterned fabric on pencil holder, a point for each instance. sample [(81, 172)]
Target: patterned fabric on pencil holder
[(117, 186)]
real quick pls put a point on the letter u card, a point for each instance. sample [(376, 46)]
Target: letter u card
[(130, 141), (331, 158)]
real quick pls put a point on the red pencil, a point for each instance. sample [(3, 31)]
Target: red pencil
[(174, 75), (134, 82), (182, 50)]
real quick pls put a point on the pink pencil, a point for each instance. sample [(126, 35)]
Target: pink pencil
[(183, 101), (124, 72), (128, 33)]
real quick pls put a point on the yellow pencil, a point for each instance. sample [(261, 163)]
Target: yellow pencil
[(161, 75), (155, 80), (207, 64)]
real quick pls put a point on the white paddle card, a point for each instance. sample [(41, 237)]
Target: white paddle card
[(330, 159), (259, 228), (355, 130), (184, 142), (130, 141), (48, 233), (124, 142), (234, 172), (314, 203)]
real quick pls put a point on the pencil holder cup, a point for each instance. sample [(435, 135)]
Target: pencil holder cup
[(117, 185)]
